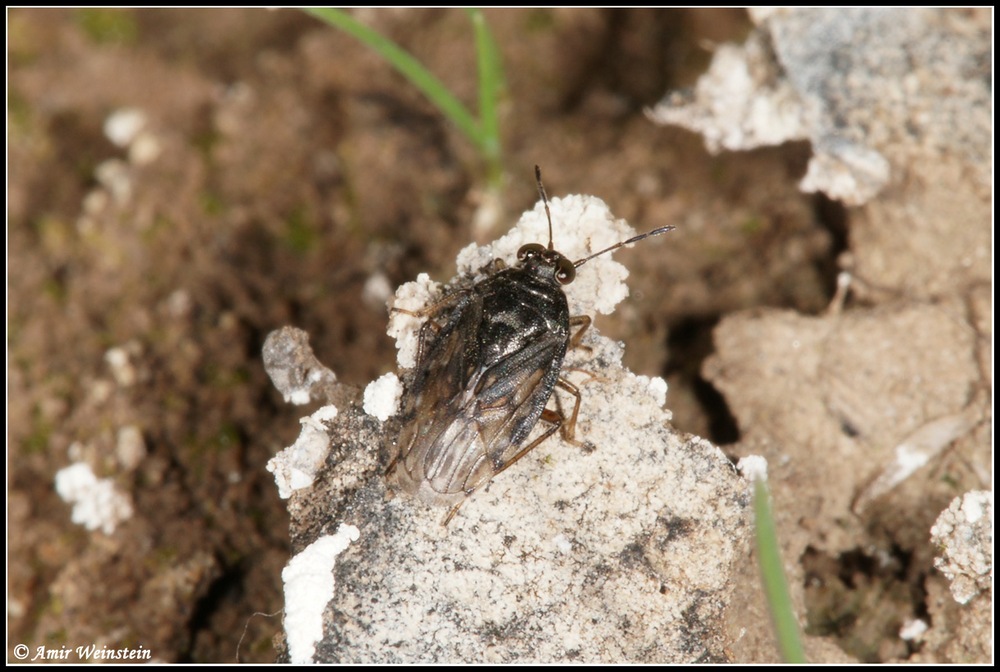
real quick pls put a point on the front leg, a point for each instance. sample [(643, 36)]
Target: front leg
[(582, 321)]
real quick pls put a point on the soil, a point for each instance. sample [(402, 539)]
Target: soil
[(288, 173)]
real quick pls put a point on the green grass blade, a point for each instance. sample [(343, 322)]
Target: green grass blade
[(410, 68), (491, 86), (775, 587)]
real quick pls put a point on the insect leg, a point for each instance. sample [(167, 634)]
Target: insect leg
[(392, 464), (436, 307), (552, 417), (590, 374), (582, 321), (568, 429), (452, 512), (555, 419), (495, 266)]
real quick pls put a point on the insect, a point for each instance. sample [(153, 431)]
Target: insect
[(489, 358)]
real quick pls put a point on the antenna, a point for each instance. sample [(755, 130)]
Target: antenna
[(654, 232), (581, 262), (545, 200)]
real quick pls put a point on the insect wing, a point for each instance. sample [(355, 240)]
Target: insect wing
[(471, 404), (510, 397), (433, 423)]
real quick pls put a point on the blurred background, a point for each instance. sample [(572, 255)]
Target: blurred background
[(181, 182)]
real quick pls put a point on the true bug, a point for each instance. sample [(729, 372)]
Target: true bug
[(489, 359)]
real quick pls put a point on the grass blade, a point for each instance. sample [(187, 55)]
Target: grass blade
[(410, 68), (491, 86), (775, 587)]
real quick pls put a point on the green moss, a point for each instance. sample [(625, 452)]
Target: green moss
[(37, 442), (55, 606), (205, 141), (24, 43), (952, 480), (539, 21), (752, 224), (108, 26), (226, 378), (55, 289), (162, 226), (226, 437), (163, 556), (299, 236), (211, 203), (18, 112)]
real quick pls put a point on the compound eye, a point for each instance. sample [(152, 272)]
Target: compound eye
[(565, 271), (530, 250)]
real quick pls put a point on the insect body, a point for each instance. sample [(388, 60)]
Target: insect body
[(489, 358)]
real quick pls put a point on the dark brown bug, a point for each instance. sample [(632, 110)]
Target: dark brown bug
[(489, 358)]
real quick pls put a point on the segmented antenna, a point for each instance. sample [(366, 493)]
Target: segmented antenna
[(654, 232), (581, 262), (545, 200)]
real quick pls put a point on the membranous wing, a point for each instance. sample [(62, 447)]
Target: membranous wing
[(481, 383)]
